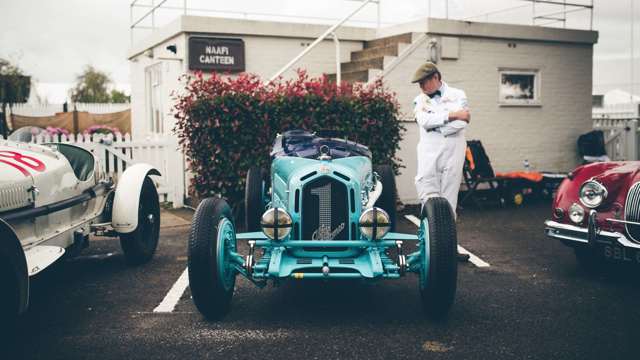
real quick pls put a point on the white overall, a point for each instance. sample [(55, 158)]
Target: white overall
[(441, 150)]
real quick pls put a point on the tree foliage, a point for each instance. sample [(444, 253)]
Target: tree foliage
[(14, 84), (226, 125), (14, 88), (92, 86), (119, 97)]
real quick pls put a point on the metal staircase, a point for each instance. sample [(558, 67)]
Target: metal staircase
[(368, 63)]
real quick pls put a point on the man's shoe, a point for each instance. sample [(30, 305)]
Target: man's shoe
[(463, 257)]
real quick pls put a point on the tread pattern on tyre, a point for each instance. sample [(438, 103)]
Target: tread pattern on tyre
[(387, 200), (134, 252), (438, 294), (207, 291), (253, 199)]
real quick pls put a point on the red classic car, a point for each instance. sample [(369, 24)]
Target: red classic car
[(597, 212)]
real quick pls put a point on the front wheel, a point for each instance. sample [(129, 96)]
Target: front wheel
[(8, 303), (387, 200), (438, 250), (140, 245), (212, 276), (254, 198)]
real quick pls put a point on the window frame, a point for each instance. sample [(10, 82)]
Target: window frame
[(537, 83)]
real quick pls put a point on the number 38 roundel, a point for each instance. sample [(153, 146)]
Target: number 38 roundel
[(21, 162)]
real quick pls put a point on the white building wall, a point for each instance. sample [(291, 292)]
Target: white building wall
[(264, 56), (545, 135)]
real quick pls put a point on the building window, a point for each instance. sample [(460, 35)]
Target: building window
[(519, 87), (155, 115)]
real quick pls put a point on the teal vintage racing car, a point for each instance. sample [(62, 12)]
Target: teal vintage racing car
[(322, 212)]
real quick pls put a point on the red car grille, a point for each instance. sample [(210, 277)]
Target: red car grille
[(632, 211)]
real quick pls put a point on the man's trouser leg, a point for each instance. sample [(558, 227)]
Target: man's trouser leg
[(428, 180), (452, 163)]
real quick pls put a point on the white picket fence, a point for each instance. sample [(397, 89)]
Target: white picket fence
[(620, 137), (119, 152)]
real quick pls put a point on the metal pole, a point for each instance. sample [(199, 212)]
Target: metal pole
[(131, 21), (318, 40), (446, 4), (632, 50), (428, 8), (591, 16), (338, 65), (379, 3), (184, 5), (533, 9)]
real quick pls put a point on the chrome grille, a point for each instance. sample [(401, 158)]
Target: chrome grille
[(632, 211), (325, 210), (15, 196)]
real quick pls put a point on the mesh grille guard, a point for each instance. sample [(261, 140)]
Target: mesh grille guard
[(632, 212)]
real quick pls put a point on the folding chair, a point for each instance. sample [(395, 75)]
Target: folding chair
[(500, 188), (477, 171)]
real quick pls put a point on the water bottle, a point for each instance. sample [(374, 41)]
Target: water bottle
[(527, 167)]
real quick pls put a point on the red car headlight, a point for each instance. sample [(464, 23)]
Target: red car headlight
[(592, 194)]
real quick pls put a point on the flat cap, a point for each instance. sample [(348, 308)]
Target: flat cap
[(423, 71)]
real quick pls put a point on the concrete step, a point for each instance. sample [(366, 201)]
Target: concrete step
[(389, 40), (357, 76), (373, 63), (372, 53)]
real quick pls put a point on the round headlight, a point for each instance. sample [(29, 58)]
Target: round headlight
[(592, 194), (276, 223), (576, 213), (374, 221)]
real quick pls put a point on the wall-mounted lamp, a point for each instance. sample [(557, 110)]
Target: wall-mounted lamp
[(433, 51), (173, 48)]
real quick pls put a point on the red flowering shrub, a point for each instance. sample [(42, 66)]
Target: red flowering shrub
[(227, 125)]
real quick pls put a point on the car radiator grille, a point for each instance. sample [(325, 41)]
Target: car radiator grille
[(632, 211), (325, 210), (15, 196)]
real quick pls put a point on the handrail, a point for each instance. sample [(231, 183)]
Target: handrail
[(153, 8), (150, 12), (321, 38), (400, 58)]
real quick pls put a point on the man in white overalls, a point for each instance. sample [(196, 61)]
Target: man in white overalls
[(442, 115)]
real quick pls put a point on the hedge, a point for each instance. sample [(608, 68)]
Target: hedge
[(225, 125)]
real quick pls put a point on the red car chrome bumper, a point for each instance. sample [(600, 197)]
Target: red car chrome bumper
[(591, 235)]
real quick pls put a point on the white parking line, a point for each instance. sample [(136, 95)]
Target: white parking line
[(173, 296), (472, 258)]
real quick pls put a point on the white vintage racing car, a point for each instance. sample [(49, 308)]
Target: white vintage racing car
[(52, 197)]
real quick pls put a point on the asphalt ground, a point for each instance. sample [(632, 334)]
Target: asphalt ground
[(532, 302)]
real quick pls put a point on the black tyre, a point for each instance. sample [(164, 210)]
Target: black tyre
[(140, 245), (254, 193), (211, 273), (438, 279), (9, 303), (387, 200)]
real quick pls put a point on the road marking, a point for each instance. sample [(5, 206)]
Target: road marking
[(472, 258), (175, 293)]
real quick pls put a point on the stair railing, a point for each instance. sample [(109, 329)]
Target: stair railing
[(330, 31), (402, 56)]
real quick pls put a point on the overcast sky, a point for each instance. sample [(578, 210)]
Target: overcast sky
[(53, 40)]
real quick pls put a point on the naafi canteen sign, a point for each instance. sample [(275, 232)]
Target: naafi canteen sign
[(206, 53)]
